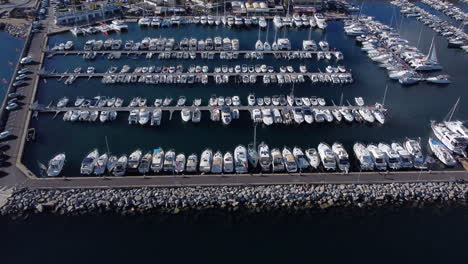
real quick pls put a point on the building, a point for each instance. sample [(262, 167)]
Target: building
[(74, 16)]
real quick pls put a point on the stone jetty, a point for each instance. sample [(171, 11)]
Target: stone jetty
[(254, 199)]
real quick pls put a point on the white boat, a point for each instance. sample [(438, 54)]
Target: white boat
[(206, 160), (120, 166), (143, 116), (327, 156), (228, 163), (367, 115), (314, 157), (440, 79), (259, 45), (186, 114), (226, 117), (359, 101), (301, 159), (289, 160), (264, 157), (111, 163), (342, 157), (452, 140), (441, 152), (240, 159), (267, 116), (179, 164), (277, 160), (134, 160), (378, 157), (364, 156), (192, 163), (320, 20), (379, 116), (414, 148), (391, 156), (457, 127), (251, 99), (101, 164), (88, 163), (145, 163), (217, 166), (169, 161), (56, 165), (406, 160), (252, 155)]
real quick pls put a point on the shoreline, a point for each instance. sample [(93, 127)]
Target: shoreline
[(229, 199)]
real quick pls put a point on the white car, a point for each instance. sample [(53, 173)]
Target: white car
[(4, 134), (26, 60), (11, 106)]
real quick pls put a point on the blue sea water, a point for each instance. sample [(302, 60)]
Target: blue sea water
[(10, 51)]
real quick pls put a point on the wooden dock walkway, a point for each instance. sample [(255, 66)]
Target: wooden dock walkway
[(156, 52)]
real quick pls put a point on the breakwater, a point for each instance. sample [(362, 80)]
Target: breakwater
[(234, 198)]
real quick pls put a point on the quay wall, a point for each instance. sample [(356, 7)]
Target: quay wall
[(253, 199)]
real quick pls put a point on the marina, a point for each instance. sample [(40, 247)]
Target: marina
[(321, 57)]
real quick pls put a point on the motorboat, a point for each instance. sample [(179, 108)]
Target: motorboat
[(379, 115), (364, 156), (169, 161), (205, 161), (228, 163), (143, 117), (157, 160), (391, 156), (240, 159), (226, 117), (454, 142), (313, 157), (289, 160), (121, 166), (217, 166), (441, 152), (179, 164), (88, 163), (267, 116), (406, 159), (192, 163), (277, 160), (264, 157), (414, 148), (134, 160), (302, 162), (439, 79), (145, 163), (327, 156), (101, 164), (342, 157), (56, 165), (251, 99), (359, 101), (186, 114), (378, 157)]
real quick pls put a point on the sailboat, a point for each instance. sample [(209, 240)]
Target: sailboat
[(430, 62), (266, 45)]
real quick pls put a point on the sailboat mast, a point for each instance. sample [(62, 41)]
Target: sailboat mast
[(107, 145), (255, 136), (385, 95), (453, 109), (341, 99)]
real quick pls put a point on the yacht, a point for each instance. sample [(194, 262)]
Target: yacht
[(145, 163), (414, 148), (267, 116), (313, 157), (111, 162), (228, 162), (252, 155), (169, 161), (452, 140), (101, 164), (206, 160), (186, 114), (457, 127), (379, 116), (192, 162), (301, 159), (264, 157), (88, 163), (391, 156), (320, 20), (143, 116), (157, 160), (405, 157), (440, 79), (378, 157), (226, 117), (342, 157), (217, 166), (179, 165), (367, 115), (156, 117), (364, 156), (327, 156), (442, 153), (56, 165), (120, 166), (134, 160), (289, 160), (251, 99), (240, 159), (259, 45), (277, 160)]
